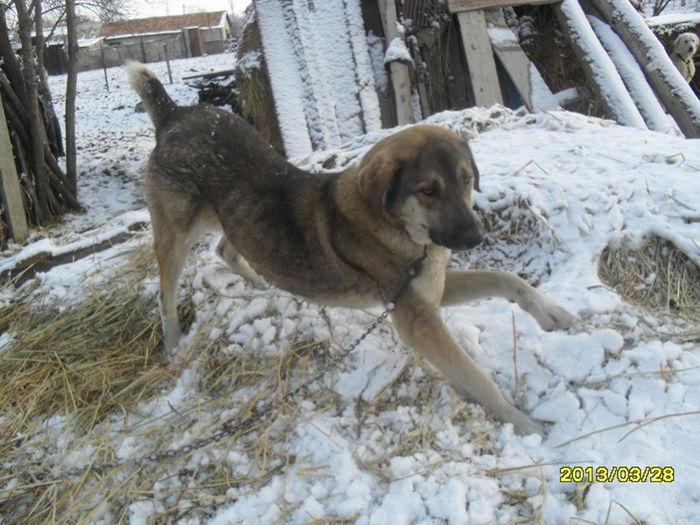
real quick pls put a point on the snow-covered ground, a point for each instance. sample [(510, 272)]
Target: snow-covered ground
[(395, 445)]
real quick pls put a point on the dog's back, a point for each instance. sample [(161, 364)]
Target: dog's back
[(209, 166)]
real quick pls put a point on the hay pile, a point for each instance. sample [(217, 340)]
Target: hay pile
[(656, 275)]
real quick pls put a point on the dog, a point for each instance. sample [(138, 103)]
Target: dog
[(339, 239), (684, 47)]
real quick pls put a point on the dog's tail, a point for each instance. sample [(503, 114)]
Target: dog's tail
[(155, 99)]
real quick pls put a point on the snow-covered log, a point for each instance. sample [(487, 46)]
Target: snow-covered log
[(667, 82), (597, 65), (319, 70), (633, 77)]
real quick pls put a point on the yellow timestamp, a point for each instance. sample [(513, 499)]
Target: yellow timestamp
[(621, 474)]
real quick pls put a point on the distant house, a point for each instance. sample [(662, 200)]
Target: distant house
[(154, 39)]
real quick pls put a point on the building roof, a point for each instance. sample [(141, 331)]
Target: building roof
[(162, 24)]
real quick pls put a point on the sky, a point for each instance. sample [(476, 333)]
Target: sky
[(176, 7)]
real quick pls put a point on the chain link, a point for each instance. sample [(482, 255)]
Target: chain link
[(230, 428)]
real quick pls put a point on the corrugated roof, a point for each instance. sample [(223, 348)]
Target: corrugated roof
[(161, 23)]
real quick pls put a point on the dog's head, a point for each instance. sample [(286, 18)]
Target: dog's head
[(686, 44), (422, 178)]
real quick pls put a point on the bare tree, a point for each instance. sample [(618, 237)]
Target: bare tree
[(108, 10), (71, 89), (659, 6)]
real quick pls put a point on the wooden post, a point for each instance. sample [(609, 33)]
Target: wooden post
[(597, 65), (400, 77), (9, 184), (482, 66), (104, 66), (667, 83), (167, 62)]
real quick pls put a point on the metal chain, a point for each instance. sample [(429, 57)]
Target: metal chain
[(230, 428)]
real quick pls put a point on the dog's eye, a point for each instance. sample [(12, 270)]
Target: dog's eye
[(429, 191)]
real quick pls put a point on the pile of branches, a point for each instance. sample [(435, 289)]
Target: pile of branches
[(34, 131)]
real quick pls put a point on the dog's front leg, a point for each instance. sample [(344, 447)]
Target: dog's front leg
[(462, 286), (420, 326)]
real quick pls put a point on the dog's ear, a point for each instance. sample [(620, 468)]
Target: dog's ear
[(375, 180), (475, 168)]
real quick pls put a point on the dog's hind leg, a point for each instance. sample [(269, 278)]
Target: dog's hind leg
[(463, 286), (177, 224), (420, 326), (237, 262), (171, 250)]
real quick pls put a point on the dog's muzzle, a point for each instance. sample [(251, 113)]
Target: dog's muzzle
[(459, 238)]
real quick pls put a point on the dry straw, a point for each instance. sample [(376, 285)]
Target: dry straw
[(657, 275)]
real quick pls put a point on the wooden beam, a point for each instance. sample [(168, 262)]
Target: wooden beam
[(400, 75), (482, 66), (527, 79), (9, 183), (667, 83), (457, 6)]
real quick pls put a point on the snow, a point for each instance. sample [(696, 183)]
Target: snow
[(688, 20), (397, 51), (396, 445)]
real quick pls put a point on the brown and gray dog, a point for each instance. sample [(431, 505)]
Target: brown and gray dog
[(684, 47), (343, 239)]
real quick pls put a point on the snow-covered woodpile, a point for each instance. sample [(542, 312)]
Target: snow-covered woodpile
[(371, 64)]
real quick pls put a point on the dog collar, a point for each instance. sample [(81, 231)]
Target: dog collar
[(411, 273)]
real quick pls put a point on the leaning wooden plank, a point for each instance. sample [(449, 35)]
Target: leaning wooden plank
[(633, 77), (455, 6), (9, 184), (400, 77), (482, 66), (527, 79), (599, 69), (664, 78)]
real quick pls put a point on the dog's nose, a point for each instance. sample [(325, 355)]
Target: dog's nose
[(473, 237)]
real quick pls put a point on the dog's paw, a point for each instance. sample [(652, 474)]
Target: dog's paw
[(523, 425), (549, 315), (557, 318)]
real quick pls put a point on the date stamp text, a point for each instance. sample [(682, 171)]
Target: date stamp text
[(620, 474)]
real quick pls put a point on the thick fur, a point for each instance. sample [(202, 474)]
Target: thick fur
[(684, 47), (338, 239)]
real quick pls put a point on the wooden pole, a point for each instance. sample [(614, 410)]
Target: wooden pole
[(400, 77), (664, 78), (104, 66), (167, 62), (9, 184)]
